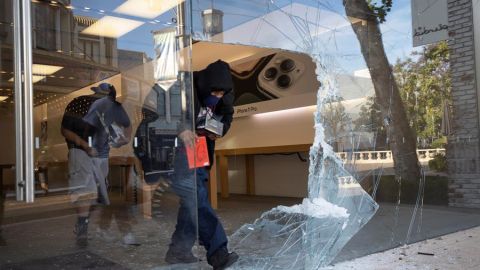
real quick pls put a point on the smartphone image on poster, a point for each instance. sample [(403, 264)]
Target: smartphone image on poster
[(282, 76), (278, 75)]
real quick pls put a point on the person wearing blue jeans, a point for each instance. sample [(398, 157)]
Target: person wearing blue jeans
[(213, 92), (194, 205)]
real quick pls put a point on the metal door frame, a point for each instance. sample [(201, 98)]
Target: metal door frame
[(24, 163)]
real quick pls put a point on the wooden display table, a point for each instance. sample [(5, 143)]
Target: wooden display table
[(221, 160)]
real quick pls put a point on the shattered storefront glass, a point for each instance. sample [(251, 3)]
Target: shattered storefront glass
[(308, 235)]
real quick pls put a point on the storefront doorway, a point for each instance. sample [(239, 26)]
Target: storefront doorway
[(57, 59)]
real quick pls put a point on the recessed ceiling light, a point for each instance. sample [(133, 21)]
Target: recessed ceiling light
[(38, 69), (112, 27), (3, 98), (147, 8), (35, 78)]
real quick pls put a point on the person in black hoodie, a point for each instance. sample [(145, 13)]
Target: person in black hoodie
[(213, 89)]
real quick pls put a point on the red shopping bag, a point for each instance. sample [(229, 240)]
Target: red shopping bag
[(199, 157)]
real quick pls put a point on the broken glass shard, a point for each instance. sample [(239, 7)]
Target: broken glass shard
[(308, 235)]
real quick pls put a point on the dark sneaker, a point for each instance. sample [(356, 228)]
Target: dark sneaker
[(173, 257), (222, 259), (81, 232)]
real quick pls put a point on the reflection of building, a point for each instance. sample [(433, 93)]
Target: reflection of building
[(98, 49), (56, 29), (52, 26), (80, 60), (129, 59)]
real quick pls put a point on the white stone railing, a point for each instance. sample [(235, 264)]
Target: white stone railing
[(363, 157)]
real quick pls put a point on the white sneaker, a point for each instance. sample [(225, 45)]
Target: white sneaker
[(129, 239)]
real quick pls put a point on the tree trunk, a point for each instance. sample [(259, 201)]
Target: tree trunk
[(401, 138)]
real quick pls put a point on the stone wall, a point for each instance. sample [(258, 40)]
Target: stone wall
[(463, 152)]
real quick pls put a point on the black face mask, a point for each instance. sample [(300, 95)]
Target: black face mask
[(211, 101)]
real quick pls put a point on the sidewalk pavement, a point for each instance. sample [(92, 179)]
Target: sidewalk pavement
[(460, 250)]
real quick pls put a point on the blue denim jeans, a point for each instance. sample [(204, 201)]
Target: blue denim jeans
[(195, 206)]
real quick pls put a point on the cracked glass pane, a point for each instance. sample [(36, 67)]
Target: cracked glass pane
[(307, 235)]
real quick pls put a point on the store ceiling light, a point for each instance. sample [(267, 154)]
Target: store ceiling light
[(147, 8), (112, 27), (35, 78), (3, 98), (38, 69)]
